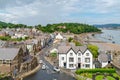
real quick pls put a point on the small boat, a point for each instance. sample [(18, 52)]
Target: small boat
[(113, 42)]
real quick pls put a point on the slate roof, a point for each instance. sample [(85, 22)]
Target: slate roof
[(103, 57), (65, 49), (8, 53)]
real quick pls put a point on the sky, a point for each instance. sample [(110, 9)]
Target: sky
[(34, 12)]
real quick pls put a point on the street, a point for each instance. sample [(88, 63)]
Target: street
[(48, 73)]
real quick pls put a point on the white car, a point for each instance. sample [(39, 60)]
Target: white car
[(43, 66), (40, 61), (56, 69)]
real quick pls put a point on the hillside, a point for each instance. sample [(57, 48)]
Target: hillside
[(75, 28), (11, 25), (108, 26)]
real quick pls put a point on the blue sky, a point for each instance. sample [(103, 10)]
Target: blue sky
[(33, 12)]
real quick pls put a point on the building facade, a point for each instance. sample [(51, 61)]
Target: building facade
[(75, 57)]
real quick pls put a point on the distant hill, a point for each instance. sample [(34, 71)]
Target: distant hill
[(11, 25), (108, 26)]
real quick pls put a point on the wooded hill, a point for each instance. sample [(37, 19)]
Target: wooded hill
[(75, 28)]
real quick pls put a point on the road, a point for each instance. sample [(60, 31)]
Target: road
[(48, 73)]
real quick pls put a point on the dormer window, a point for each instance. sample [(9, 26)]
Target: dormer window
[(87, 54), (71, 54), (79, 54)]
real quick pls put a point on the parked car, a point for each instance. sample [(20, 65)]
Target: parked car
[(43, 66), (40, 61), (56, 69)]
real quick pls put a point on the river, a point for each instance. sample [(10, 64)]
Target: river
[(107, 35)]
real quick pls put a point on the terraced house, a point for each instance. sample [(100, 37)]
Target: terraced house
[(11, 59), (73, 57)]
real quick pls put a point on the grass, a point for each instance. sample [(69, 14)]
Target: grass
[(88, 75), (100, 77), (84, 76)]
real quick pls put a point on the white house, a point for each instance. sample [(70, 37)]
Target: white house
[(59, 37), (75, 57), (104, 59)]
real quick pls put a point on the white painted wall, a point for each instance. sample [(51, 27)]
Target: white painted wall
[(29, 47), (79, 56), (61, 62), (104, 64), (73, 56), (91, 59)]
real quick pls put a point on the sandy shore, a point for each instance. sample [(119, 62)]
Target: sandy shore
[(104, 46)]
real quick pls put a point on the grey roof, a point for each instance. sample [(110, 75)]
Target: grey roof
[(83, 48), (103, 57), (8, 53), (65, 49)]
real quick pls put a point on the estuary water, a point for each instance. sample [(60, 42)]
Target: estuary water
[(108, 35)]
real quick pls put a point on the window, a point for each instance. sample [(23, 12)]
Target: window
[(87, 65), (62, 58), (0, 61), (71, 54), (79, 54), (87, 54), (4, 61), (71, 59), (7, 61), (79, 60), (70, 65), (87, 60)]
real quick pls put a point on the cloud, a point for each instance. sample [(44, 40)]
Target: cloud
[(33, 12)]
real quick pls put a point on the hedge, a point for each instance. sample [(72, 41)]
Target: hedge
[(102, 70)]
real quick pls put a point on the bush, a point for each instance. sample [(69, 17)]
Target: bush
[(70, 39), (77, 43), (94, 50), (102, 70), (53, 54)]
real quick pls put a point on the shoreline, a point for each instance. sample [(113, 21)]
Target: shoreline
[(105, 46)]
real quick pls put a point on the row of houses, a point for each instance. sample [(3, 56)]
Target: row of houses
[(19, 57), (20, 32)]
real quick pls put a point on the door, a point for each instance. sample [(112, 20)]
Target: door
[(64, 65), (79, 65)]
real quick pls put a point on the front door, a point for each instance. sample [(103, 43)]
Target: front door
[(79, 65), (64, 65)]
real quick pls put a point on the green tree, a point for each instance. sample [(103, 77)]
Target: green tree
[(77, 43), (94, 50), (70, 39), (54, 54)]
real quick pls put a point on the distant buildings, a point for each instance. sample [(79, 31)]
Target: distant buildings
[(17, 57)]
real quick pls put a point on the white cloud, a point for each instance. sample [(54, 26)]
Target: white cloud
[(33, 12)]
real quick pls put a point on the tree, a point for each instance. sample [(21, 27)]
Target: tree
[(75, 28), (94, 50), (70, 39), (77, 43), (54, 54)]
